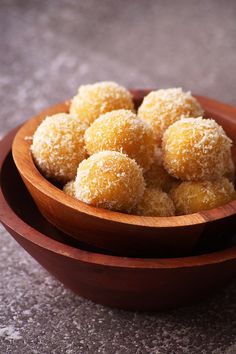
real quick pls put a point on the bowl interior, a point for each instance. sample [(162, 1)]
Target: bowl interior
[(21, 202)]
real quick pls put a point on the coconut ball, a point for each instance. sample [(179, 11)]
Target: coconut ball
[(69, 188), (111, 180), (155, 203), (196, 149), (164, 107), (93, 100), (157, 176), (121, 131), (191, 197), (58, 147)]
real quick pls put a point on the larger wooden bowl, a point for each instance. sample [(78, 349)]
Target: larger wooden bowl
[(127, 283), (117, 232)]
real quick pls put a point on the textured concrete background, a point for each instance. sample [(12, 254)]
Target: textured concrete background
[(48, 48)]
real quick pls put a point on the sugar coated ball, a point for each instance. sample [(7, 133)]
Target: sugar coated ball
[(157, 176), (164, 107), (121, 131), (196, 149), (58, 147), (69, 188), (155, 203), (93, 100), (192, 197), (111, 180)]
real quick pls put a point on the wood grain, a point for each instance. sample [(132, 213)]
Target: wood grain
[(117, 232)]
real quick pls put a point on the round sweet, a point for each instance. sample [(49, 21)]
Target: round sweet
[(93, 100), (157, 176), (191, 197), (164, 107), (155, 203), (69, 188), (196, 149), (58, 147), (121, 131), (110, 180)]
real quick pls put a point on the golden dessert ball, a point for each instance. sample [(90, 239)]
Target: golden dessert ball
[(192, 197), (164, 107), (93, 100), (110, 180), (196, 149), (121, 131), (58, 147), (69, 188), (155, 203), (157, 176)]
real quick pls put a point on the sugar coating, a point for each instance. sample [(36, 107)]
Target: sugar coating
[(69, 188), (191, 197), (155, 203), (58, 147), (157, 176), (164, 107), (196, 149), (122, 131), (93, 100), (110, 180)]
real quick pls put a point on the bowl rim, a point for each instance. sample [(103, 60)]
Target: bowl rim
[(13, 222), (30, 172)]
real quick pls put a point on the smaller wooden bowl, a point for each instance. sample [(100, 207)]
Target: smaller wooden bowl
[(121, 233), (122, 282)]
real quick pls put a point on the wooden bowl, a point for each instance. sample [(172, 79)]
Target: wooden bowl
[(117, 232), (122, 282)]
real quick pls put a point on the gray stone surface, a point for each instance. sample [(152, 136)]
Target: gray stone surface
[(48, 48)]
